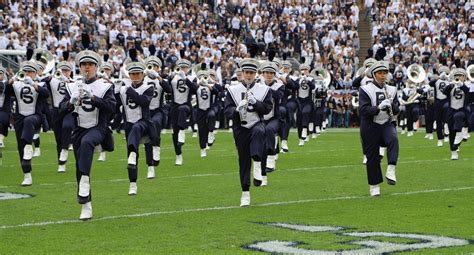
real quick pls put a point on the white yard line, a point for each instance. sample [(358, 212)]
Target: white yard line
[(221, 208), (236, 173)]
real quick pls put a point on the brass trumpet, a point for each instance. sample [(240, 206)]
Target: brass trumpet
[(204, 80), (20, 76), (176, 70), (102, 74), (149, 67), (58, 74)]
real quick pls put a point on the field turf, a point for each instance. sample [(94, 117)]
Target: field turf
[(194, 209)]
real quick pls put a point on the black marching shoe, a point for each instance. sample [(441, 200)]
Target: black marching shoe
[(257, 183)]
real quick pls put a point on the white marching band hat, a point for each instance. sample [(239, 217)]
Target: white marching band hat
[(88, 56), (268, 66), (152, 60), (183, 63), (249, 64), (286, 64), (369, 62), (63, 65), (29, 66), (107, 65), (304, 67), (135, 67), (444, 69), (457, 71), (202, 73), (212, 73), (378, 66), (277, 62)]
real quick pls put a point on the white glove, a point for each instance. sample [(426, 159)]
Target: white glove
[(74, 98), (277, 75), (192, 76), (151, 73), (251, 98), (182, 75), (384, 104), (443, 76), (242, 105), (28, 80), (87, 92)]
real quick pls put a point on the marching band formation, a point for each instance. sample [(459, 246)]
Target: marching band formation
[(261, 103)]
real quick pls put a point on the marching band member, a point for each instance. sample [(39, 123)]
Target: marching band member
[(28, 114), (246, 103), (62, 124), (217, 105), (288, 105), (46, 116), (105, 73), (457, 93), (427, 102), (378, 105), (157, 115), (5, 106), (412, 105), (305, 106), (205, 112), (399, 78), (471, 100), (183, 86), (320, 94), (93, 104), (118, 116), (272, 119), (401, 115), (440, 106), (135, 99), (361, 80), (236, 78)]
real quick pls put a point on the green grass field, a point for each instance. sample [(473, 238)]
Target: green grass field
[(194, 209)]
